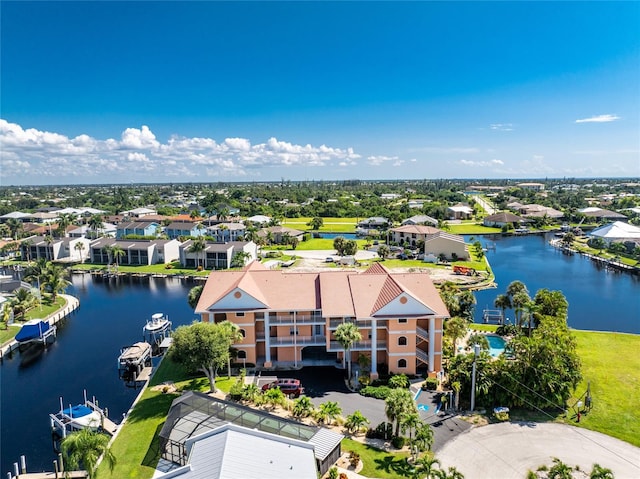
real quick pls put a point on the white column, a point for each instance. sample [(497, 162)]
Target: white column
[(374, 349), (432, 343), (267, 339)]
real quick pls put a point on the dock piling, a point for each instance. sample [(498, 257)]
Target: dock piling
[(23, 464)]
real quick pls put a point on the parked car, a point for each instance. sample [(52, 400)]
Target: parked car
[(328, 259), (290, 387)]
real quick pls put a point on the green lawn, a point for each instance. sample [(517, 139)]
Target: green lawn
[(379, 463), (136, 448), (8, 334), (46, 309), (334, 225), (611, 362), (144, 269)]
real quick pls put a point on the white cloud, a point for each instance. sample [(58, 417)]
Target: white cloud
[(140, 155), (482, 163), (501, 126), (599, 119), (380, 159), (444, 150)]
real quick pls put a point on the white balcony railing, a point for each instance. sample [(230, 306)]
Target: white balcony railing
[(318, 340)]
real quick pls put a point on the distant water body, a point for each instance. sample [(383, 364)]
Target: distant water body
[(113, 312)]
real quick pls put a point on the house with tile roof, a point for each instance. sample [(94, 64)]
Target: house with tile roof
[(289, 319), (411, 234), (448, 245)]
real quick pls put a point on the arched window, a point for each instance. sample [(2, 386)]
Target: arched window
[(402, 341), (242, 354), (402, 363), (244, 333)]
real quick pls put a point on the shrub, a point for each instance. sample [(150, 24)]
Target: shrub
[(431, 384), (354, 459), (333, 473), (343, 476), (398, 442), (380, 392), (364, 380), (507, 330), (384, 430), (399, 381)]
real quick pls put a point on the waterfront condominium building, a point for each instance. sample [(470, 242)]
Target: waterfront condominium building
[(290, 318)]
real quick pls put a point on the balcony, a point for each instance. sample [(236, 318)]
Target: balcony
[(359, 346), (287, 319), (298, 340), (363, 324)]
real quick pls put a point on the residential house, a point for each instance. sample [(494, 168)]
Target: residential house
[(138, 228), (536, 211), (184, 228), (207, 437), (290, 318), (421, 220), (372, 226), (54, 249), (445, 244), (617, 231), (411, 235), (602, 215), (42, 218), (279, 233), (259, 220), (139, 212), (216, 255), (225, 232), (137, 252), (531, 186), (17, 215), (460, 212), (498, 220), (108, 229)]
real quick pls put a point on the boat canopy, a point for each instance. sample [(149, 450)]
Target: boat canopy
[(33, 329)]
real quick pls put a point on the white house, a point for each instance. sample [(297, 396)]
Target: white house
[(445, 244), (617, 232)]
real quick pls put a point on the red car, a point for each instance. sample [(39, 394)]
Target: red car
[(289, 387)]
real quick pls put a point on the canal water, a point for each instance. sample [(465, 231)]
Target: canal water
[(84, 356), (599, 299), (113, 312)]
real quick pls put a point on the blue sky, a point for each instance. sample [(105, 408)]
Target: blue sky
[(101, 92)]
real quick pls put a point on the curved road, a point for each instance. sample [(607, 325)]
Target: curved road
[(509, 450)]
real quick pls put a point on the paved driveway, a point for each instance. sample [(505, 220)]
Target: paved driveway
[(509, 450)]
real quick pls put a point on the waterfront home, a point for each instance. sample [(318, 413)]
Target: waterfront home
[(184, 228), (216, 255), (535, 211), (136, 252), (420, 220), (460, 212), (279, 233), (617, 232), (224, 232), (41, 218), (372, 226), (447, 245), (54, 249), (411, 235), (290, 318), (602, 215), (499, 220), (138, 228)]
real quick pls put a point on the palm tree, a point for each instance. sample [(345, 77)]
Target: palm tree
[(6, 314), (95, 224), (233, 333), (15, 226), (79, 247), (502, 301), (424, 436), (383, 251), (559, 470), (456, 328), (302, 407), (451, 473), (410, 422), (109, 250), (274, 397), (83, 449), (347, 334), (315, 223), (26, 244), (54, 280), (328, 411), (355, 422), (48, 239), (22, 301), (117, 253), (599, 472), (194, 296), (64, 220), (398, 403), (520, 302), (197, 246), (426, 466)]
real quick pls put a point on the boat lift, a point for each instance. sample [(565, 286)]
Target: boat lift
[(82, 416)]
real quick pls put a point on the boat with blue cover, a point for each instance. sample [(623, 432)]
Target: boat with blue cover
[(35, 331), (86, 415)]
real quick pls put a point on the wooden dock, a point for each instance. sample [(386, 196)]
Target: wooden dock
[(109, 426)]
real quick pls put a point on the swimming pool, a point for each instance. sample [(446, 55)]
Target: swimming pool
[(496, 345)]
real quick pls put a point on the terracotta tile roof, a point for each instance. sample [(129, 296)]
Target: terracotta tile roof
[(335, 293), (417, 229)]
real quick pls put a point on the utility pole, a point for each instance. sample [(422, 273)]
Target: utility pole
[(476, 352)]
